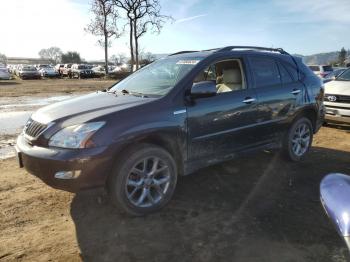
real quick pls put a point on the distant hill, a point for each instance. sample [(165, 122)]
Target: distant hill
[(320, 59)]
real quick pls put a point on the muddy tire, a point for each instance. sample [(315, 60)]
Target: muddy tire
[(143, 181), (298, 139)]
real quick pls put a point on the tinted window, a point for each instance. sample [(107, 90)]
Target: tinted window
[(328, 68), (265, 72), (285, 76), (314, 68)]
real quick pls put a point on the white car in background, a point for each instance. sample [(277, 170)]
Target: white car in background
[(4, 74), (337, 99), (321, 70)]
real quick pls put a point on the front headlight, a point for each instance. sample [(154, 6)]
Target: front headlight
[(75, 136)]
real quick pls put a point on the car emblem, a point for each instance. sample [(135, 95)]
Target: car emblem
[(332, 98)]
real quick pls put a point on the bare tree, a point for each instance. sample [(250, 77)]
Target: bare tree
[(128, 6), (118, 58), (104, 24), (121, 58), (147, 15), (71, 57), (142, 15), (114, 59), (150, 57), (53, 54), (3, 59)]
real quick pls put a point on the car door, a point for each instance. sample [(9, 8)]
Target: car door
[(222, 124), (277, 93)]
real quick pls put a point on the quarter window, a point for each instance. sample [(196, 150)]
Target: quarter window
[(265, 72)]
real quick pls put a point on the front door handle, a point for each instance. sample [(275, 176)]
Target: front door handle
[(249, 100), (295, 91)]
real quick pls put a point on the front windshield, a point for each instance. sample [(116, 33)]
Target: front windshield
[(158, 78), (29, 69), (345, 76)]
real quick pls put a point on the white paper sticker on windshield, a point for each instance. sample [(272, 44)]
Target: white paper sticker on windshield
[(187, 62)]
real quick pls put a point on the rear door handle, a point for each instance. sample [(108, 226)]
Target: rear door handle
[(249, 100), (295, 91)]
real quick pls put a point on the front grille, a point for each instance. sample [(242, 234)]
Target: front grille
[(338, 98), (33, 128)]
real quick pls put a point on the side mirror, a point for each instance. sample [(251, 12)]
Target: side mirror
[(335, 195), (203, 89)]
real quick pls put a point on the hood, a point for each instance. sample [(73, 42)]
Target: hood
[(338, 87), (87, 107)]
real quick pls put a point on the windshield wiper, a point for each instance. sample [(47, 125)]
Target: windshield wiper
[(124, 91)]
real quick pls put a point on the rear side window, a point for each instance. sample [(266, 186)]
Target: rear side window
[(327, 68), (314, 68), (285, 75), (265, 72)]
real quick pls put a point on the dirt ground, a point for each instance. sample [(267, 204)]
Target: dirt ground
[(45, 87), (256, 208)]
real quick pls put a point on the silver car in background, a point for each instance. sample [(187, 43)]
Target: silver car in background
[(337, 99), (48, 71), (4, 74)]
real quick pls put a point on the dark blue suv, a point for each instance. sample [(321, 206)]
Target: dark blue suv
[(186, 111)]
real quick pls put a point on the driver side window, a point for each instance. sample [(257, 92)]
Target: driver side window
[(227, 75)]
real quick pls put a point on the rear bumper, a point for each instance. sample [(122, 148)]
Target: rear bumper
[(94, 164)]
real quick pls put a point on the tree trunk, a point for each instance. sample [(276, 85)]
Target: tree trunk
[(131, 46), (136, 45), (106, 54)]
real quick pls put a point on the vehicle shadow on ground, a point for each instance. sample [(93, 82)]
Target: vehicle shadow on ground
[(6, 83), (344, 127), (257, 208)]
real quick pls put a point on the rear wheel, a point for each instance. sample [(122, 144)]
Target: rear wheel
[(298, 139), (144, 181)]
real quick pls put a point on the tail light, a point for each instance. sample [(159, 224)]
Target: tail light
[(323, 74)]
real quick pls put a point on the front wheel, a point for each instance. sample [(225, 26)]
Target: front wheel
[(298, 139), (144, 180)]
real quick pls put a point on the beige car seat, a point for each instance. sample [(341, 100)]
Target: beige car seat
[(231, 81)]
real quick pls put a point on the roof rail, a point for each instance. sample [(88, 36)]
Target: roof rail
[(182, 52), (229, 48)]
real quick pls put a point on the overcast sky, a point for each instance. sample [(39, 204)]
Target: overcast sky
[(299, 26)]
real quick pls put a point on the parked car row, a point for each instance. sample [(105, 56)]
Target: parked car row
[(60, 70)]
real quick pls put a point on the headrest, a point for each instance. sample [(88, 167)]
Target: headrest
[(232, 76)]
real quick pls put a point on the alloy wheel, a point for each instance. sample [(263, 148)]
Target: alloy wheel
[(301, 139), (147, 182)]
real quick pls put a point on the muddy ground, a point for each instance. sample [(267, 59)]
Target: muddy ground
[(255, 208), (20, 98), (45, 87)]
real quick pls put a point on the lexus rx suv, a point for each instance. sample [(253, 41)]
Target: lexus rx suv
[(181, 113)]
